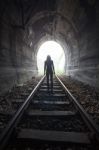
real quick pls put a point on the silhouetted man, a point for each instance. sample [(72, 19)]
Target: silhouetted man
[(49, 70)]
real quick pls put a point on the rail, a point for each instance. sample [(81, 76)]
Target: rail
[(8, 131), (85, 116), (14, 121)]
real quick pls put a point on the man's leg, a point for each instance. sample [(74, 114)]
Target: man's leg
[(47, 75), (51, 79)]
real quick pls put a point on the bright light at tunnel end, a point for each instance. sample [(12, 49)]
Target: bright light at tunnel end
[(56, 52)]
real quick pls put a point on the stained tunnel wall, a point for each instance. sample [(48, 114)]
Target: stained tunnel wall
[(88, 27), (83, 60), (16, 57)]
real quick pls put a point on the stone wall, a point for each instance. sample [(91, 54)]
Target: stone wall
[(83, 57), (88, 32), (16, 55)]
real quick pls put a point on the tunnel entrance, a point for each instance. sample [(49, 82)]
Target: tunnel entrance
[(56, 52)]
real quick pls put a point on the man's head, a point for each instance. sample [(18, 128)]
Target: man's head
[(48, 57)]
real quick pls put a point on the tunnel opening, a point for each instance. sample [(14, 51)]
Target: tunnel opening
[(57, 54)]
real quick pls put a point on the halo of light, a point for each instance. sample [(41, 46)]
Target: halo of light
[(56, 52)]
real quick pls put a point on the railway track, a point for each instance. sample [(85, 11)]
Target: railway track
[(49, 120)]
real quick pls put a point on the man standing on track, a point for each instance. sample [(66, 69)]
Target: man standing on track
[(49, 70)]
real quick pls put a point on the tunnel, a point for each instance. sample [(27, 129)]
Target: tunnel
[(25, 25), (56, 109)]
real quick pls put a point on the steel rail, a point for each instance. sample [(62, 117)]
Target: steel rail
[(16, 118), (94, 128)]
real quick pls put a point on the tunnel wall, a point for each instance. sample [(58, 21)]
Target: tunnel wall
[(88, 69), (16, 56), (82, 60), (88, 66)]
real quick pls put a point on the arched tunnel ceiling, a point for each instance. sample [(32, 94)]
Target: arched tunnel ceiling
[(54, 27), (58, 20), (55, 18)]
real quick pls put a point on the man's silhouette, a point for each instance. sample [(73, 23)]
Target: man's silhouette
[(49, 70)]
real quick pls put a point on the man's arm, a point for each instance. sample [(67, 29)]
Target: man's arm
[(45, 67), (53, 67)]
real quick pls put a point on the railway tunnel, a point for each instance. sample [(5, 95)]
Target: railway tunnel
[(26, 25)]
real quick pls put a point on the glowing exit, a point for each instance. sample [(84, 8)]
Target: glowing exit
[(56, 52)]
